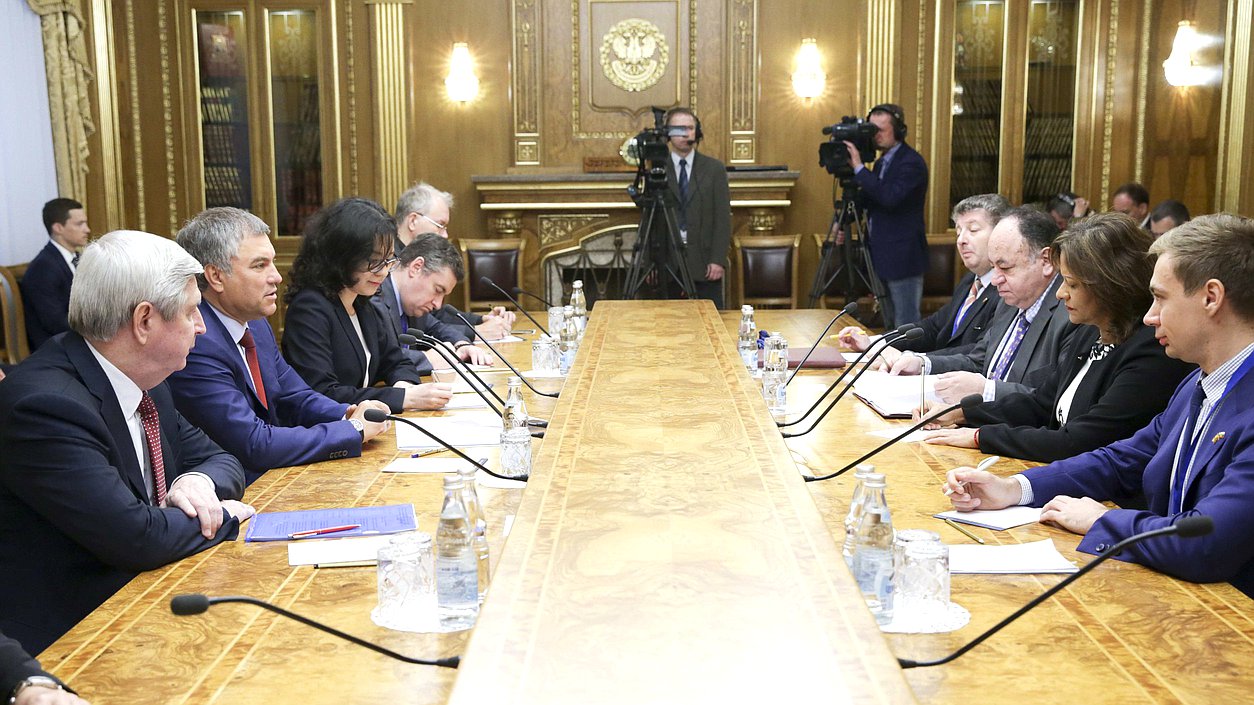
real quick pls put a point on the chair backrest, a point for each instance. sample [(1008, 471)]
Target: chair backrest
[(500, 260), (768, 269), (13, 315)]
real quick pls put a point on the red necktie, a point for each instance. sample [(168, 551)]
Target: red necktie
[(152, 435), (250, 354)]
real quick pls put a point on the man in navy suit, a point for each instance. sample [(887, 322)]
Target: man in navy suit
[(958, 325), (236, 386), (100, 477), (894, 195), (46, 284), (1195, 458)]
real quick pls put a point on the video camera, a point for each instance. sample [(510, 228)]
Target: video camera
[(651, 152), (833, 155)]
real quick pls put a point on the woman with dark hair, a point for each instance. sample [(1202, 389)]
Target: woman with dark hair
[(333, 336), (1113, 377)]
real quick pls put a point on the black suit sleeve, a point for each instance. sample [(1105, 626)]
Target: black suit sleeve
[(74, 486), (15, 666), (720, 233)]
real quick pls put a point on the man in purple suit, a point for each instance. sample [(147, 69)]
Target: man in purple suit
[(236, 386), (46, 284), (1197, 457)]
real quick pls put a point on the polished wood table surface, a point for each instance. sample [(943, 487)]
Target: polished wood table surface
[(1123, 634)]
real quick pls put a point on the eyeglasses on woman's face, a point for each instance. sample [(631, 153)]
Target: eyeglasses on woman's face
[(377, 266)]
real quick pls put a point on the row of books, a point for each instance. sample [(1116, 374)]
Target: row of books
[(217, 104), (224, 186), (976, 137)]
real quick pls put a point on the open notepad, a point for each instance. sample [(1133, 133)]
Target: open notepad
[(1036, 557), (893, 396)]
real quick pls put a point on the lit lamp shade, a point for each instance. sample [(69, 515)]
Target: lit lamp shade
[(461, 84), (808, 78), (1181, 68)]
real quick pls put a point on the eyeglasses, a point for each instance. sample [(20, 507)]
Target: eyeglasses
[(375, 266), (442, 227)]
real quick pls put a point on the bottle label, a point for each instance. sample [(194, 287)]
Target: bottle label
[(457, 580)]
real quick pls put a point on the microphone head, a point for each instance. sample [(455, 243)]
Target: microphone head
[(1196, 525), (972, 400), (376, 415), (486, 280), (184, 605), (516, 290), (850, 308), (410, 341), (914, 333)]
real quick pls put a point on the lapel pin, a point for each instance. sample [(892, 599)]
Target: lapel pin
[(1218, 437)]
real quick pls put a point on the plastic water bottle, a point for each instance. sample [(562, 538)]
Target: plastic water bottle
[(855, 510), (515, 436), (873, 550), (775, 374), (748, 343), (579, 305), (456, 572), (569, 339), (478, 527)]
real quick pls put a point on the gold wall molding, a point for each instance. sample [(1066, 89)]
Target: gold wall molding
[(1108, 105), (634, 55), (1231, 192), (136, 143), (167, 112), (554, 229), (880, 69), (742, 23), (1142, 89), (391, 107), (525, 79), (350, 65), (106, 84)]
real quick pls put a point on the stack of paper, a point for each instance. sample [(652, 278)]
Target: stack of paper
[(279, 526), (995, 519), (892, 396), (461, 430), (1036, 557), (340, 553)]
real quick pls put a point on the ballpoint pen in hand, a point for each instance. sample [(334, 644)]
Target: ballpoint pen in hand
[(984, 465)]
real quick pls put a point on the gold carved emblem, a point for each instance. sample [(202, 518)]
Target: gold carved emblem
[(634, 54)]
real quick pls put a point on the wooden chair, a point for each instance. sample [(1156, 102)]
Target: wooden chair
[(13, 315), (768, 269), (942, 275), (500, 260)]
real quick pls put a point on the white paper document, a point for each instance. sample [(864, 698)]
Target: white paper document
[(461, 387), (892, 396), (465, 401), (461, 430), (426, 465), (506, 339), (332, 553), (1036, 557), (995, 519)]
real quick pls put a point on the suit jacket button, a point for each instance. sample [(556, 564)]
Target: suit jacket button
[(1101, 547)]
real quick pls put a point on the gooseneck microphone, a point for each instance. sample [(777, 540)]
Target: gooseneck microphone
[(425, 344), (507, 364), (184, 605), (379, 416), (969, 399), (911, 334), (437, 344), (1185, 527), (512, 300), (850, 309), (524, 292), (887, 339)]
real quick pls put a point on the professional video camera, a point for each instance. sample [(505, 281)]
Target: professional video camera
[(651, 153), (833, 155)]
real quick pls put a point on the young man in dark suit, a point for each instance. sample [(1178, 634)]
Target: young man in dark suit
[(894, 195), (46, 284), (100, 477), (236, 386), (1195, 458), (699, 184)]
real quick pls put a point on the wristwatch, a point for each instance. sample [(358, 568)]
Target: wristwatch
[(34, 682), (461, 344), (360, 426)]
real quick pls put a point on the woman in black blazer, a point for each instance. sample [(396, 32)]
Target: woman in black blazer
[(1112, 378), (333, 336)]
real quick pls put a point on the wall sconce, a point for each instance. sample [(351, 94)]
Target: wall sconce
[(461, 84), (808, 78), (1182, 67)]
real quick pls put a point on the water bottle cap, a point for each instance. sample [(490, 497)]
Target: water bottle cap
[(863, 470), (578, 284), (746, 309), (568, 309), (453, 482), (514, 381), (875, 479)]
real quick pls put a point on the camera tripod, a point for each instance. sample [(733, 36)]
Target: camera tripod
[(850, 260), (659, 253)]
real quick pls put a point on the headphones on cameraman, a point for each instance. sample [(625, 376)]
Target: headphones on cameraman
[(894, 112), (696, 138)]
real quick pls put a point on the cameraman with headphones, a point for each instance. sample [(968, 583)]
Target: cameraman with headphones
[(699, 184), (893, 196)]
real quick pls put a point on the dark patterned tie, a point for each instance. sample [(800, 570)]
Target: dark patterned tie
[(1011, 349), (75, 258), (152, 436)]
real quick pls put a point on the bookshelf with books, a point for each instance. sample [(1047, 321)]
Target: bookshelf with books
[(223, 112)]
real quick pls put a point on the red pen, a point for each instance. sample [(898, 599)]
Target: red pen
[(320, 532)]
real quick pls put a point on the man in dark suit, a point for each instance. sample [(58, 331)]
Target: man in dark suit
[(958, 325), (894, 195), (1197, 457), (236, 386), (425, 209), (699, 185), (1027, 336), (46, 284), (23, 682), (1133, 200), (100, 477), (427, 270)]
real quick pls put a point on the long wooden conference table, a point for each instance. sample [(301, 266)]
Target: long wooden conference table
[(665, 550)]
